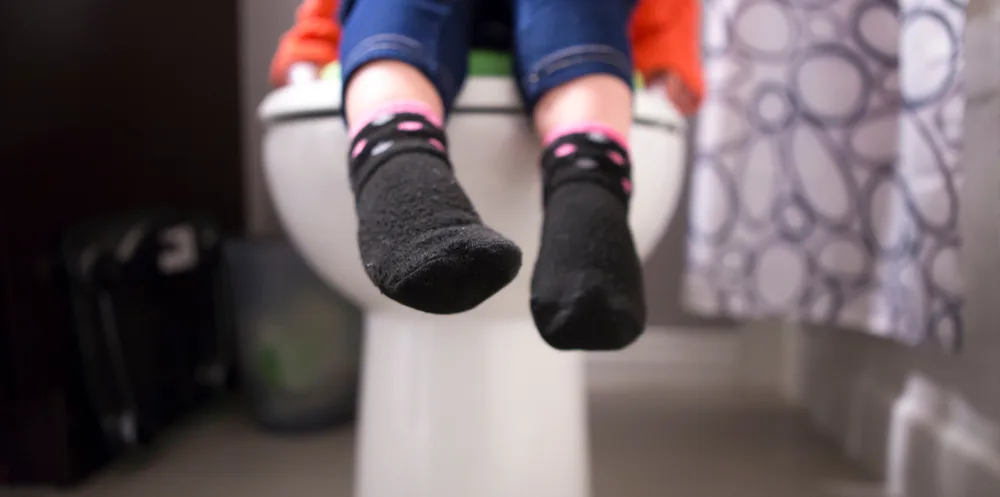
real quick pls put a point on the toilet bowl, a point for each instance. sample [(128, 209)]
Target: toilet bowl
[(470, 405)]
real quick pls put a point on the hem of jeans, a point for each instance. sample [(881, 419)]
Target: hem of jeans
[(576, 55)]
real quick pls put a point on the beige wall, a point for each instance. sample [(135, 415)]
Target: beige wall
[(664, 275), (262, 22)]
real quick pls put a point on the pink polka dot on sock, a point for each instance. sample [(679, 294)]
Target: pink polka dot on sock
[(437, 144), (565, 149), (358, 148), (627, 185), (616, 157), (410, 126)]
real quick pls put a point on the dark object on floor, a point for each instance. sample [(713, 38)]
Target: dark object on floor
[(152, 321), (109, 117)]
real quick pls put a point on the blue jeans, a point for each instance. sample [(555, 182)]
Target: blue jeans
[(554, 41)]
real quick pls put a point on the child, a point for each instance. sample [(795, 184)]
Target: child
[(421, 241), (664, 33)]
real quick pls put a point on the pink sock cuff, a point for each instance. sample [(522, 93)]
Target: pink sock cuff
[(401, 107), (592, 127)]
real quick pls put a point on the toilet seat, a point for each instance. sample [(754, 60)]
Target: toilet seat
[(481, 94)]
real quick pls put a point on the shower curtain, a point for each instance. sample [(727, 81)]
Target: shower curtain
[(827, 167)]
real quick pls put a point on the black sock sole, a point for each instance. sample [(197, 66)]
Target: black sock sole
[(466, 273), (591, 320)]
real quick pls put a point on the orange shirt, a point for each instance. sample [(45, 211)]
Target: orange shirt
[(665, 38)]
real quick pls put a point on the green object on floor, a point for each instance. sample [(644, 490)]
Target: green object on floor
[(482, 63)]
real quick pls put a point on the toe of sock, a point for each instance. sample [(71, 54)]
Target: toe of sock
[(592, 320), (468, 266)]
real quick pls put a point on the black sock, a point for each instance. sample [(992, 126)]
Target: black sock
[(586, 291), (422, 243)]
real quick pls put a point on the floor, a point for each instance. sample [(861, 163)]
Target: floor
[(652, 437)]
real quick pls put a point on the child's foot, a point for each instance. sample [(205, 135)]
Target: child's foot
[(422, 243), (586, 291)]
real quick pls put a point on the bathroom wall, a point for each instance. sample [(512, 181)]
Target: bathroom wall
[(262, 22), (852, 383), (664, 270)]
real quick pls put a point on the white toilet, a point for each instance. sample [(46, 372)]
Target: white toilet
[(471, 405)]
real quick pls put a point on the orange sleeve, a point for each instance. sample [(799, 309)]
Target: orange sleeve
[(315, 38), (666, 37)]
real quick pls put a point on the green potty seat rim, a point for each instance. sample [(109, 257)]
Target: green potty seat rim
[(482, 63), (490, 63)]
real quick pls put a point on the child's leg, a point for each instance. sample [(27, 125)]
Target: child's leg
[(421, 241), (575, 66)]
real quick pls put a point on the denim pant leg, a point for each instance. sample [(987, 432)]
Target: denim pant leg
[(557, 41), (430, 35)]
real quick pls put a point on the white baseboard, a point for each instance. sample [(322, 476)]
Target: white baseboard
[(667, 346), (939, 446), (925, 440), (670, 357)]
